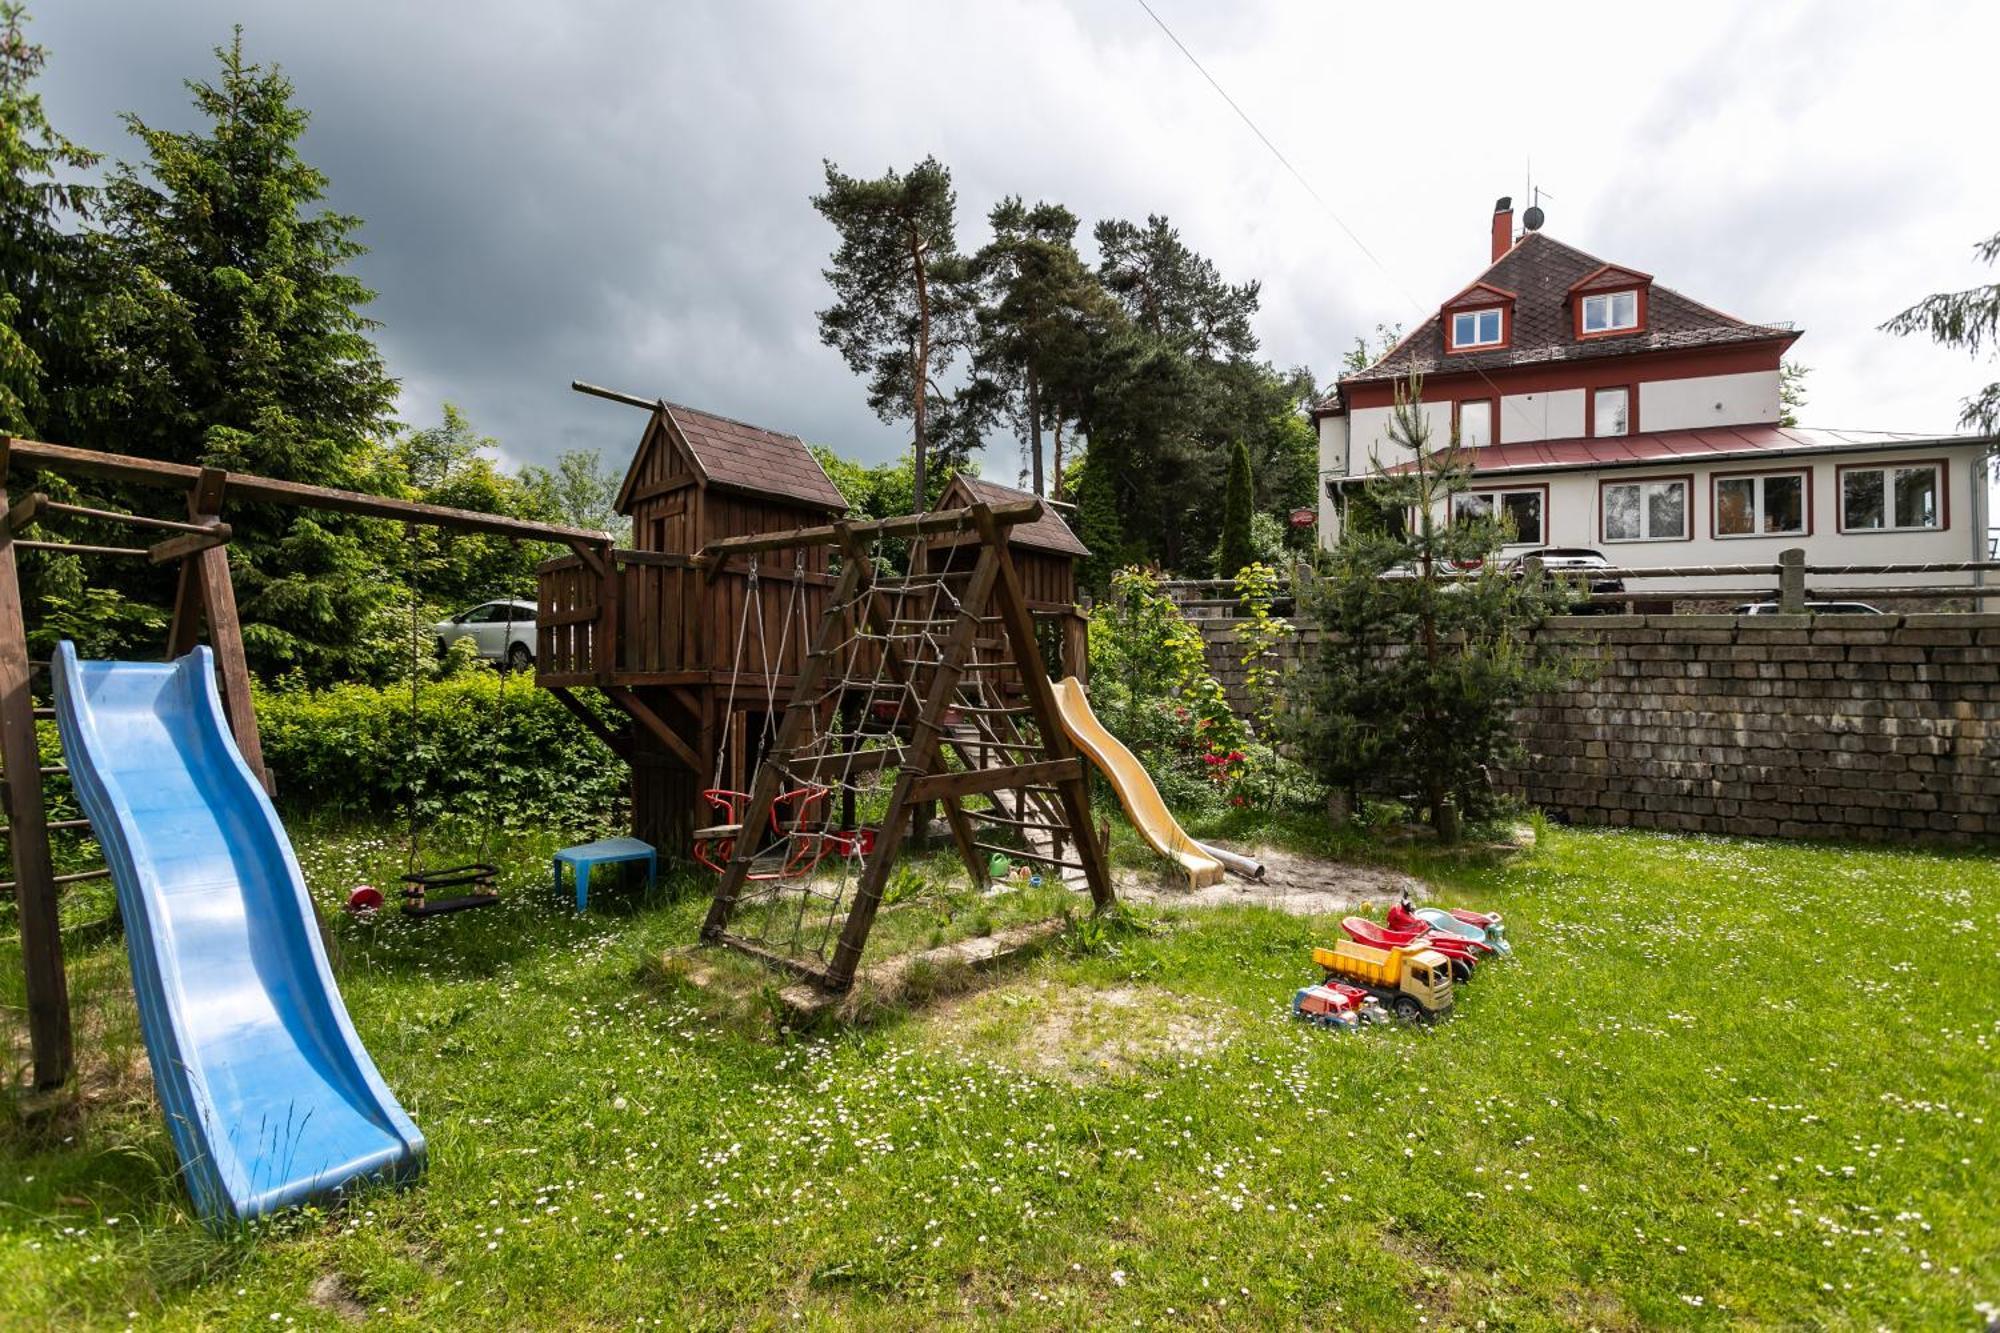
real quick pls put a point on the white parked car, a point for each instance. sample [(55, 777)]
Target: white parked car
[(501, 631)]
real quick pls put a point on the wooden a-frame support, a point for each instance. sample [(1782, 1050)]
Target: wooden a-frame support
[(920, 778), (205, 598)]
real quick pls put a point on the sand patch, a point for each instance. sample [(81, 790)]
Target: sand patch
[(1300, 885), (1081, 1033)]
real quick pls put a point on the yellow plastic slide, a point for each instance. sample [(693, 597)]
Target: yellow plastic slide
[(1136, 792)]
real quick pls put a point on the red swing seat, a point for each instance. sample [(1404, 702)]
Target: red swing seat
[(715, 845)]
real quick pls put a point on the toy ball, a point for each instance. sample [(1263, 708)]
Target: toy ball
[(365, 898)]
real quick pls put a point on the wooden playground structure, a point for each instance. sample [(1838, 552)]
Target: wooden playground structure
[(781, 668), (778, 664)]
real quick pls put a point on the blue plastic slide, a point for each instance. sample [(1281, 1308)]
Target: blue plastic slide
[(268, 1094)]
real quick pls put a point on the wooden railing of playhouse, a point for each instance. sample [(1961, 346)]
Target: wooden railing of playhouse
[(676, 623)]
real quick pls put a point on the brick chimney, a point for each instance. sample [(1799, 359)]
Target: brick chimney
[(1503, 227)]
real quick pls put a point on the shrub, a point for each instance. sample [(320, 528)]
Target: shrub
[(521, 759), (1151, 685)]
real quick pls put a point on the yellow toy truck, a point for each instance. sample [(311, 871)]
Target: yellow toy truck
[(1413, 983)]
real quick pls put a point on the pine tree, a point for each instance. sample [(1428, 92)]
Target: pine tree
[(901, 312), (234, 338), (1238, 504), (1041, 306), (1415, 683), (44, 290)]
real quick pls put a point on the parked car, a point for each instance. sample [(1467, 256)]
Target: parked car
[(1575, 562), (502, 631), (1813, 608)]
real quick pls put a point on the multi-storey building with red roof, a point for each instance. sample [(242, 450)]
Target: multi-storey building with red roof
[(1608, 411)]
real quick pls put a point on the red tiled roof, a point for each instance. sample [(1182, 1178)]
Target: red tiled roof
[(1047, 533), (1657, 448), (749, 458), (1542, 271)]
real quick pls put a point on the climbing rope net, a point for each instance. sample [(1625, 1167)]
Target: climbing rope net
[(917, 672)]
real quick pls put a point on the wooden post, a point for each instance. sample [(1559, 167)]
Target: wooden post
[(961, 834), (1075, 792), (34, 873), (1076, 645), (206, 593), (1792, 581)]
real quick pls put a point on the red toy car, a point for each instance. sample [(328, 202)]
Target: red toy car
[(1457, 951), (1336, 1004)]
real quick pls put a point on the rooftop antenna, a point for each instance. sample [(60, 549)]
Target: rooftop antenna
[(1534, 217)]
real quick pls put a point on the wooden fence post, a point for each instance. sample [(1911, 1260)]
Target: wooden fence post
[(1076, 645), (28, 834), (1792, 581)]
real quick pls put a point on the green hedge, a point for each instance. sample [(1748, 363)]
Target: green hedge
[(351, 750)]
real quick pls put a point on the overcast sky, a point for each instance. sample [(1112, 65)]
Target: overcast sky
[(619, 191)]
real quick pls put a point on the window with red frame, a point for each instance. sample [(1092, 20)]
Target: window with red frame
[(1478, 328), (1610, 312)]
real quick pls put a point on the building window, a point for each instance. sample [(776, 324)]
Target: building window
[(1771, 505), (1905, 498), (1475, 422), (1522, 511), (1610, 312), (1611, 411), (1646, 511), (1476, 328)]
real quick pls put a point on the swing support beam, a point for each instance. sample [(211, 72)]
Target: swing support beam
[(204, 602)]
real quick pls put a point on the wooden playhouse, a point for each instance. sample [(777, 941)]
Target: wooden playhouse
[(699, 651)]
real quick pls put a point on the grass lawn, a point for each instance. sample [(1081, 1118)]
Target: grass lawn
[(1721, 1082)]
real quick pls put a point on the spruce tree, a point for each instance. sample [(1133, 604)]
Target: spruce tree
[(1238, 504), (44, 285), (234, 338), (1969, 319)]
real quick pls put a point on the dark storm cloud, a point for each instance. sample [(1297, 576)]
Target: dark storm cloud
[(619, 191), (619, 199)]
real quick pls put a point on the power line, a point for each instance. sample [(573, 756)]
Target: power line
[(1499, 399), (1276, 152)]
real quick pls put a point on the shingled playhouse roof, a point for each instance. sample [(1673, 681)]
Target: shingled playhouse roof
[(1542, 272), (741, 457), (1047, 533)]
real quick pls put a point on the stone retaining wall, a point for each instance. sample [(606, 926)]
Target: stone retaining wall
[(1878, 727)]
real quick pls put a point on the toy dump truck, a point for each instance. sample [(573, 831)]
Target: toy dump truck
[(1412, 983)]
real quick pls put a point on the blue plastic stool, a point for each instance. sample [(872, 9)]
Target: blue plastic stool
[(605, 851)]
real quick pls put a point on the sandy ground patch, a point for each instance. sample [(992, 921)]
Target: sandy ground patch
[(1301, 885), (1081, 1033)]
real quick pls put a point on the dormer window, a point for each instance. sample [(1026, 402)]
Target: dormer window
[(1478, 318), (1477, 328), (1611, 312), (1608, 301)]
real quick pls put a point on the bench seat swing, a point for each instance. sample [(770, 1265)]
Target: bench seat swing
[(800, 821), (443, 890)]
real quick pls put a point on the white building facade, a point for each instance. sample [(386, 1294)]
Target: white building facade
[(1609, 413)]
